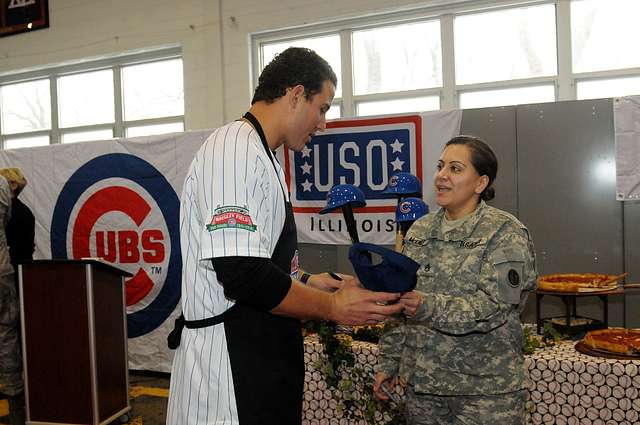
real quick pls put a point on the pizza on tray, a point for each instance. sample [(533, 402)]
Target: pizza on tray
[(577, 282), (614, 340)]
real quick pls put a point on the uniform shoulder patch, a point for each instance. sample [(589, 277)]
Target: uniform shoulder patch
[(231, 217), (514, 278)]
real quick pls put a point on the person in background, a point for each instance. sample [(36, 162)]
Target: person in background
[(11, 383), (240, 356), (22, 225), (460, 347)]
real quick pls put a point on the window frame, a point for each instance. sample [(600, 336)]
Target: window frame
[(564, 81), (116, 64)]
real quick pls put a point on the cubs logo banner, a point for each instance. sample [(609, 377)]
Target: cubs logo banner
[(118, 201), (365, 153)]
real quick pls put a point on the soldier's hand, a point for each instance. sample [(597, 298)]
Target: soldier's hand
[(382, 382), (410, 303), (353, 305)]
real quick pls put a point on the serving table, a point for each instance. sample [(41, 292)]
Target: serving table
[(564, 387), (569, 301)]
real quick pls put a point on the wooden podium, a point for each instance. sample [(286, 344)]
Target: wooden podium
[(74, 341)]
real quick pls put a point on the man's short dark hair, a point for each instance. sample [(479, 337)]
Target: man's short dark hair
[(294, 66)]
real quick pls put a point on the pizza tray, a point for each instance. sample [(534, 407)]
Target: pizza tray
[(601, 289), (585, 349)]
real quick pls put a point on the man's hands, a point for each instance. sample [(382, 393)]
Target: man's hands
[(325, 282), (350, 304), (353, 305)]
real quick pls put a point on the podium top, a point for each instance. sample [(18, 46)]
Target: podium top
[(91, 261)]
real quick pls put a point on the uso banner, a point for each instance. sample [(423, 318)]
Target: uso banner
[(366, 153), (117, 200)]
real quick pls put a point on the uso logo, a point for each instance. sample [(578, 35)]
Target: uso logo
[(364, 153), (120, 208)]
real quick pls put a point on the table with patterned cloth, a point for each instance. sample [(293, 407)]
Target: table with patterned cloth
[(564, 387), (567, 387)]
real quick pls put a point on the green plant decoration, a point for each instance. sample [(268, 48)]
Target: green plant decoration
[(550, 336), (351, 383)]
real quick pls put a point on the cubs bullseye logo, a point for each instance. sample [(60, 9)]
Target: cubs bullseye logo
[(405, 207), (118, 207)]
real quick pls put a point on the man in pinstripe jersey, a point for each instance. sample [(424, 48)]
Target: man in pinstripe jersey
[(240, 358)]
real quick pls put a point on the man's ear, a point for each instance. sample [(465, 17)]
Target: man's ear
[(296, 94)]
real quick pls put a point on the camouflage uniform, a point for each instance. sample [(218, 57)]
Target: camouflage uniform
[(10, 360), (466, 337), (501, 409)]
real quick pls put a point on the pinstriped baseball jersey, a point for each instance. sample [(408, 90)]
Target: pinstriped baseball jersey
[(232, 205)]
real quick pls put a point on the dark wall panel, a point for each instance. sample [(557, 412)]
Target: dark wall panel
[(497, 127), (566, 183), (632, 260), (566, 190)]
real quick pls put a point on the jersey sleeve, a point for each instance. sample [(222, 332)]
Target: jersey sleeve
[(235, 196)]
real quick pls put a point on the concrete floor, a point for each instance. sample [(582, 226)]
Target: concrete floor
[(148, 394)]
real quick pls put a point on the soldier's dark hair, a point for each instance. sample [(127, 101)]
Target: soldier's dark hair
[(483, 160), (293, 66)]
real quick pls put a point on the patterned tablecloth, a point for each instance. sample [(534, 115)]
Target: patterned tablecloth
[(564, 387), (575, 388)]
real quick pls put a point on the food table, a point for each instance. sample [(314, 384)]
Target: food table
[(564, 387), (575, 388), (569, 300)]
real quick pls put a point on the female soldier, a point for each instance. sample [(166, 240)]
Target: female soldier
[(460, 347)]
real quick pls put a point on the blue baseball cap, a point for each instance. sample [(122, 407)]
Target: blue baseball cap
[(410, 209), (396, 273), (403, 183), (342, 194)]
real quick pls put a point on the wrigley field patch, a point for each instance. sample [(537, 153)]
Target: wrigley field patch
[(231, 216)]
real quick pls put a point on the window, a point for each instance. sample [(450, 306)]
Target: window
[(509, 96), (610, 87), (148, 91), (25, 142), (86, 98), (604, 34), (505, 45), (473, 54), (397, 58), (136, 94), (334, 112), (25, 107), (147, 130), (415, 104), (86, 136), (326, 46)]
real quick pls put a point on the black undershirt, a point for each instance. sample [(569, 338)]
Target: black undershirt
[(253, 281)]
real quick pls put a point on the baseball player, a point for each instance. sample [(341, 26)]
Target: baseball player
[(239, 358)]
